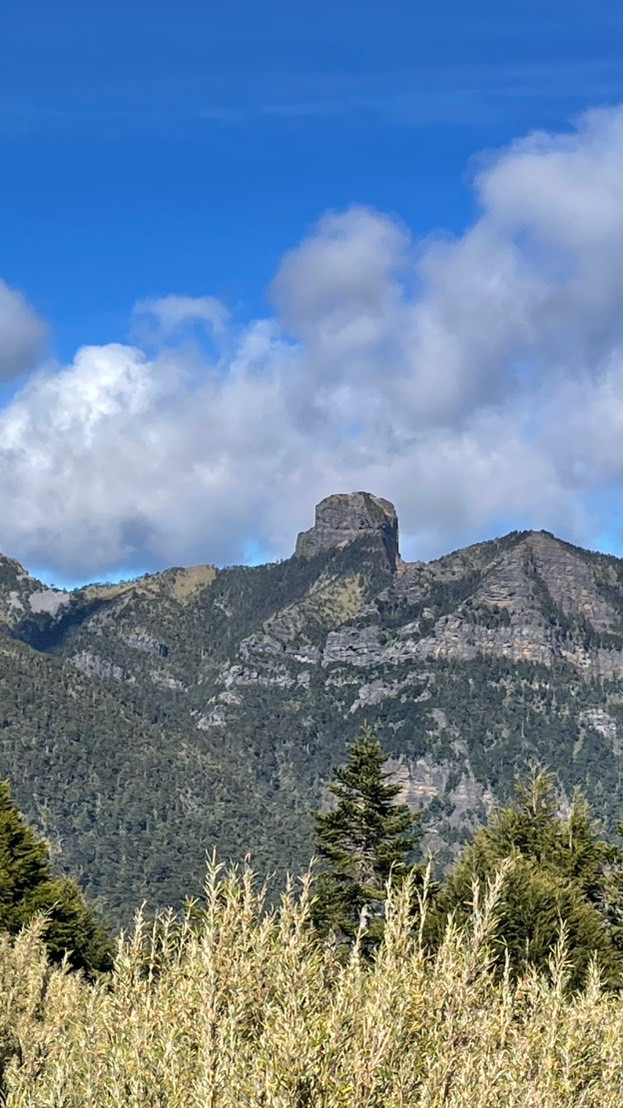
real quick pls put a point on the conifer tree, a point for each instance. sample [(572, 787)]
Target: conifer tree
[(29, 886), (366, 838), (563, 872)]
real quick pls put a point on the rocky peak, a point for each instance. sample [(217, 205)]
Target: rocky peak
[(343, 517)]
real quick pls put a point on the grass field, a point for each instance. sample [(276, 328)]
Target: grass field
[(230, 1006)]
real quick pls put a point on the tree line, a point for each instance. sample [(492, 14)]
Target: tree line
[(561, 876)]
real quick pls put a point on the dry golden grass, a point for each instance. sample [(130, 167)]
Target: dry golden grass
[(231, 1007), (181, 584)]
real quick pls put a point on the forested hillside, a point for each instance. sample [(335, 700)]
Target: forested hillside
[(145, 723)]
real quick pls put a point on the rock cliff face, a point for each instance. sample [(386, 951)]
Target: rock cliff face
[(344, 517), (244, 684), (23, 597)]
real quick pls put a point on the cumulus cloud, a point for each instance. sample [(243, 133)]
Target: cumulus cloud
[(477, 381), (22, 334)]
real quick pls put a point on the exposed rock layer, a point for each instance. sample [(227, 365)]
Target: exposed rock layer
[(344, 517)]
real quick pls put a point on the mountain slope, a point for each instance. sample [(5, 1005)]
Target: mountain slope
[(143, 724)]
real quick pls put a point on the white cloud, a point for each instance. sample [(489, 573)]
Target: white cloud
[(476, 381), (22, 334), (164, 316)]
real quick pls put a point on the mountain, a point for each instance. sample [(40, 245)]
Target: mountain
[(144, 723)]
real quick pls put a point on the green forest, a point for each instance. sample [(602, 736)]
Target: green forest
[(367, 983)]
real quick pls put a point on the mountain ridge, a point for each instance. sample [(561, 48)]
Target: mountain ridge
[(143, 723)]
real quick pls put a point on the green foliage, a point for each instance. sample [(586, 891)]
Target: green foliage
[(484, 615), (562, 875), (367, 838), (29, 887)]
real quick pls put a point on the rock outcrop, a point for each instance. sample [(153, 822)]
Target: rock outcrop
[(343, 517)]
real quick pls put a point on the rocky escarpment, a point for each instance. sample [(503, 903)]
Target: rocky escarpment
[(344, 517), (526, 598)]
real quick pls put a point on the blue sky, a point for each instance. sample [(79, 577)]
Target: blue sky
[(151, 151), (150, 147)]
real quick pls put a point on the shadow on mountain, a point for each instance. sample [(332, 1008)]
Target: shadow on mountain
[(47, 633)]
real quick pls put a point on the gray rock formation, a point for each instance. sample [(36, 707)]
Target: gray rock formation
[(343, 517)]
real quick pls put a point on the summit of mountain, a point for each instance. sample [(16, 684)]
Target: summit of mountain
[(345, 517)]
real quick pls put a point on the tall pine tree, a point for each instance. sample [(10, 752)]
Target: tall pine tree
[(366, 838), (563, 872), (29, 886)]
